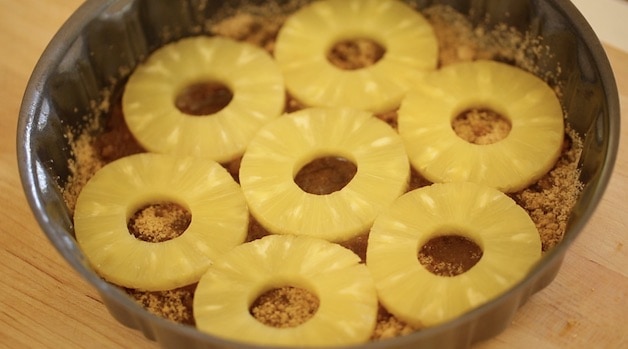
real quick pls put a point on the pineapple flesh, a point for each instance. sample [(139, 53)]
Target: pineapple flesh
[(247, 71), (104, 206), (284, 146), (308, 35), (529, 150), (507, 236), (347, 298)]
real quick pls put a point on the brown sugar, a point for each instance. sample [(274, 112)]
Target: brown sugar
[(460, 41), (481, 126), (116, 140), (449, 255), (159, 222), (388, 326), (355, 54), (455, 34), (82, 167), (203, 98), (173, 304), (548, 202), (285, 307), (257, 30), (325, 175)]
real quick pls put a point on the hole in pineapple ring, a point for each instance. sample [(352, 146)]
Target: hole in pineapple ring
[(325, 175), (159, 222), (203, 98), (353, 54), (449, 255), (285, 307), (481, 126)]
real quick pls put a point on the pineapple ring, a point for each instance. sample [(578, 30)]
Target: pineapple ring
[(509, 239), (115, 192), (248, 71), (409, 41), (284, 146), (347, 298), (511, 164)]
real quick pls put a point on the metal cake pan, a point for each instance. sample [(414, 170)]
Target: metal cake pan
[(104, 39)]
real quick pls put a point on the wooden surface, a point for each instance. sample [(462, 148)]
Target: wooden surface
[(44, 303)]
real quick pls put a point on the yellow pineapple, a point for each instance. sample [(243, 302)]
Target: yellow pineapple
[(104, 206), (307, 36), (511, 164), (284, 146), (347, 299), (508, 238), (160, 126)]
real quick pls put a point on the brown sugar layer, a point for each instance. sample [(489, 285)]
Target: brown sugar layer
[(548, 202), (285, 307), (460, 41), (203, 98), (355, 54), (173, 305), (116, 141), (325, 175), (159, 222), (449, 255), (257, 30), (388, 326), (481, 126)]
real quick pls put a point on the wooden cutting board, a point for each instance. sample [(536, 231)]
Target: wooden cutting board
[(44, 303)]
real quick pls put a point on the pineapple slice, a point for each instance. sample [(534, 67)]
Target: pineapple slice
[(509, 239), (284, 146), (347, 298), (308, 35), (511, 164), (247, 71), (118, 190)]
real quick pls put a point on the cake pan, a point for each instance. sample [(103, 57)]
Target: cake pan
[(104, 40)]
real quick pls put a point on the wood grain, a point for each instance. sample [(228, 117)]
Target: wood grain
[(44, 303)]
